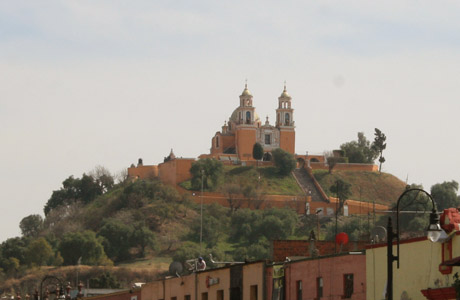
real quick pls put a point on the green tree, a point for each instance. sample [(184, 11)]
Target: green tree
[(15, 248), (188, 250), (379, 145), (143, 237), (117, 239), (359, 151), (105, 281), (39, 252), (85, 190), (85, 245), (31, 225), (257, 152), (342, 190), (210, 170), (445, 194), (284, 161)]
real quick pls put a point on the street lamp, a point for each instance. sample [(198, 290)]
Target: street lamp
[(201, 213), (433, 230)]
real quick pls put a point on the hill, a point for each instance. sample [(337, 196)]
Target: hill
[(266, 178), (382, 188)]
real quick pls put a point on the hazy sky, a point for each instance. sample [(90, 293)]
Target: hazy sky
[(86, 83)]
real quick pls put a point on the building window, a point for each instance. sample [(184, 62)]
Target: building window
[(248, 117), (287, 120), (268, 139), (187, 297), (253, 295), (319, 287), (173, 298), (220, 295), (299, 290), (217, 142), (347, 285), (204, 296)]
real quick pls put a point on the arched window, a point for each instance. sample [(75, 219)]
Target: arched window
[(287, 120), (248, 117), (217, 142)]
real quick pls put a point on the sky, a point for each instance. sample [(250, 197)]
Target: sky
[(87, 83)]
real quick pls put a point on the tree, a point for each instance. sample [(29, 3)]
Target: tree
[(445, 194), (85, 245), (210, 170), (379, 145), (342, 189), (39, 252), (232, 192), (284, 161), (257, 152), (359, 151), (118, 237), (85, 190), (103, 177), (143, 237), (31, 225), (332, 159)]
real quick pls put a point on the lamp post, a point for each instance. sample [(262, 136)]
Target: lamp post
[(434, 231), (201, 213)]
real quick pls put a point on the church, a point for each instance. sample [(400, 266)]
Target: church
[(244, 128)]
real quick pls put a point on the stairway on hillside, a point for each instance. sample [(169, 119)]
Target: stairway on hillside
[(307, 184)]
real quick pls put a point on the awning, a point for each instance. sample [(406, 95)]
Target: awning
[(446, 293), (452, 262)]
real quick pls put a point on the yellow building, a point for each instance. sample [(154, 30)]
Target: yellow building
[(426, 269)]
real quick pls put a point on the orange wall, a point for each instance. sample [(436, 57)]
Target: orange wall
[(332, 270), (195, 283), (346, 167), (143, 172), (245, 140), (287, 141), (175, 171), (290, 248), (223, 275)]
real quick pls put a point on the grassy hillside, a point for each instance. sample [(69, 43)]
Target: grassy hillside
[(366, 186), (272, 183)]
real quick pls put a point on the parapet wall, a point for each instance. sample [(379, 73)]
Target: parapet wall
[(302, 248), (345, 167), (143, 172)]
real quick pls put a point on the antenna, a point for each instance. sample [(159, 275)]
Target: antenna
[(175, 268), (378, 234)]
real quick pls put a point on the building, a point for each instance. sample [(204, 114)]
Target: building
[(244, 129), (426, 269), (241, 281), (338, 276)]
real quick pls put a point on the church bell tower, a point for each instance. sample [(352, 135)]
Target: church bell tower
[(285, 122)]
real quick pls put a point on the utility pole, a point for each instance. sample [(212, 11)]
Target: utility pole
[(201, 213)]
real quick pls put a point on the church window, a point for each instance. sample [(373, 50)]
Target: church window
[(268, 139), (248, 117), (217, 142), (286, 119)]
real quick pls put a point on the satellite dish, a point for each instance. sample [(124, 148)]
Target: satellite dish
[(175, 268), (341, 238), (378, 234)]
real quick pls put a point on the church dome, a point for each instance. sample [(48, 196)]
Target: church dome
[(234, 116)]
